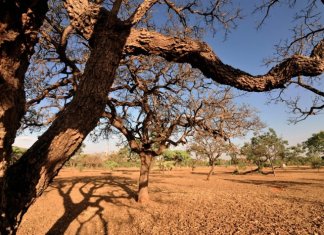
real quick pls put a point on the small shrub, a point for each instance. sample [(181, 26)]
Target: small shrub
[(316, 162), (166, 165), (80, 167), (111, 165), (241, 165)]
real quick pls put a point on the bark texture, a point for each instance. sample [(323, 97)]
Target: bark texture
[(29, 177), (19, 25), (143, 193), (201, 56)]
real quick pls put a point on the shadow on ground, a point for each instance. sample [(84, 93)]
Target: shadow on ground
[(271, 183), (88, 188)]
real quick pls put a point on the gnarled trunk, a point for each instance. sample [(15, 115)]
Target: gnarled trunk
[(19, 25), (143, 193), (30, 176)]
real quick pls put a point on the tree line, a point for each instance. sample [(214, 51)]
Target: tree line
[(263, 150)]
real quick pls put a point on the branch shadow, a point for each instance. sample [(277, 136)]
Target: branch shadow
[(87, 187)]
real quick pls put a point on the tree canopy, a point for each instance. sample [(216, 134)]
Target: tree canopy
[(265, 148), (315, 144)]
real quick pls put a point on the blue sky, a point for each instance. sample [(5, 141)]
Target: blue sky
[(245, 48)]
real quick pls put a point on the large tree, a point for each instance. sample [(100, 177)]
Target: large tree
[(154, 105), (111, 31)]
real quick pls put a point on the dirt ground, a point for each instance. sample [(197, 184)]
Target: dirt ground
[(183, 202)]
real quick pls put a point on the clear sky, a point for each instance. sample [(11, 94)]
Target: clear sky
[(245, 48)]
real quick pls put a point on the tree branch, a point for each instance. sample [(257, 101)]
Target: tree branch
[(46, 91), (201, 56), (116, 7), (140, 11)]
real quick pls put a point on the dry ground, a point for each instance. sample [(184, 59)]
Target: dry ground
[(102, 202)]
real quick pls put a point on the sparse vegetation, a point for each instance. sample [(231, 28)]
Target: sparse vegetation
[(184, 203), (265, 150), (62, 65)]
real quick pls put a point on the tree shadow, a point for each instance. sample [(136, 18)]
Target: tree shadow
[(316, 180), (126, 172), (302, 201), (199, 173), (88, 188), (271, 183), (254, 171)]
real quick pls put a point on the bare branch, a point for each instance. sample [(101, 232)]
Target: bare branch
[(46, 92), (267, 6)]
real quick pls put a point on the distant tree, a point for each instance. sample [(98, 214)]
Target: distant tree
[(265, 148), (89, 161), (315, 149), (17, 152), (80, 150), (124, 157), (295, 155), (74, 160), (127, 155), (209, 147), (315, 144), (179, 157)]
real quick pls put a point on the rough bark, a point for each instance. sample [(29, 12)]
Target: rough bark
[(19, 25), (201, 56), (143, 193), (211, 171), (29, 177)]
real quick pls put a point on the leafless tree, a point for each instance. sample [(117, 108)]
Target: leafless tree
[(156, 104), (209, 147), (111, 31), (233, 122)]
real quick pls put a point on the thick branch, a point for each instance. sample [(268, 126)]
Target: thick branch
[(116, 7), (308, 87), (201, 56), (140, 11)]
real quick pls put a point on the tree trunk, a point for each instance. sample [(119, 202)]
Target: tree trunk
[(19, 25), (212, 163), (29, 177), (143, 193), (236, 171), (273, 169)]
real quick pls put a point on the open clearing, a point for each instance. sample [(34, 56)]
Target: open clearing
[(102, 202)]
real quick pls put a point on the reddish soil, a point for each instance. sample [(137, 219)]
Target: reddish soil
[(102, 202)]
